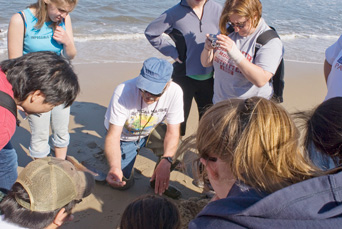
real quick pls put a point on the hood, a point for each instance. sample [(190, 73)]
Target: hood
[(313, 203)]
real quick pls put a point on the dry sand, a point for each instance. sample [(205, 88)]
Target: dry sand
[(305, 88)]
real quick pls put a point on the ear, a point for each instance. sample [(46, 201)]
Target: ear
[(61, 217), (204, 162), (36, 95)]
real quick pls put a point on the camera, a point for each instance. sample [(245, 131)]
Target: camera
[(213, 39)]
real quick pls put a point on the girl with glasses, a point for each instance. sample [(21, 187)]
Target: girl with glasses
[(239, 72)]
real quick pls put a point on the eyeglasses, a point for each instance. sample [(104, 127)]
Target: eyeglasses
[(208, 158), (240, 25), (150, 96)]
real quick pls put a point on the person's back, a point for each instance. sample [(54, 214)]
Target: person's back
[(313, 203)]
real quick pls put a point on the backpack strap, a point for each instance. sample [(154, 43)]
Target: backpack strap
[(264, 38), (21, 13), (8, 102), (278, 77)]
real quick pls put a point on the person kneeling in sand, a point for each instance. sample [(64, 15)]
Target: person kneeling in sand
[(44, 194), (136, 108)]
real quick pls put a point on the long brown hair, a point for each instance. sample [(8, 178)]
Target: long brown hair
[(258, 139)]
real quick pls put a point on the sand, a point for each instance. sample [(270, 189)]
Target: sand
[(305, 88)]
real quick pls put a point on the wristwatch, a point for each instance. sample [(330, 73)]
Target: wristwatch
[(169, 159)]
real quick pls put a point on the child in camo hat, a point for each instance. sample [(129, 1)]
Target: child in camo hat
[(44, 194)]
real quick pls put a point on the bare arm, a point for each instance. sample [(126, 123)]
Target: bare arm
[(207, 54), (255, 74), (113, 155), (162, 172), (327, 70), (15, 37), (66, 38)]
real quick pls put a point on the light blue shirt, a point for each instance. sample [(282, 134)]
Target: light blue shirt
[(36, 40)]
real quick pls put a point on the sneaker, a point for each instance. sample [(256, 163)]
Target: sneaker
[(171, 192)]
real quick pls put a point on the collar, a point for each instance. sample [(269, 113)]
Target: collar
[(185, 3)]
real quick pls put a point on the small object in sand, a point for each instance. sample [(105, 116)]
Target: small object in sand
[(98, 175)]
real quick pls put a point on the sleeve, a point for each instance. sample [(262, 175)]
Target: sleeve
[(116, 113), (7, 126), (269, 55), (175, 112), (154, 34), (332, 52)]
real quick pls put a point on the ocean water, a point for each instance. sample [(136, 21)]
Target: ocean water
[(108, 31)]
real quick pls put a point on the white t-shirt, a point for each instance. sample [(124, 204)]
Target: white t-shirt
[(333, 55), (7, 225), (229, 82), (128, 109)]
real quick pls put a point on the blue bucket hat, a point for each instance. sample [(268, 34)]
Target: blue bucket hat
[(154, 75)]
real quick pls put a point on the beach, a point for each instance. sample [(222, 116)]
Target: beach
[(305, 88)]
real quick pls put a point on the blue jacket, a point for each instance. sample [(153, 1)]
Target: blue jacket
[(314, 203), (188, 33)]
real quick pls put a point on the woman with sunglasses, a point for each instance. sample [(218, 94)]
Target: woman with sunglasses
[(251, 153), (238, 73)]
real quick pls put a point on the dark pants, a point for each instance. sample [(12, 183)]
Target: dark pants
[(202, 91)]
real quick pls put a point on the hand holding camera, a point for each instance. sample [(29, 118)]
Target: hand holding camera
[(213, 40)]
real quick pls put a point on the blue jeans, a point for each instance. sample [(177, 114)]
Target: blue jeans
[(8, 166), (40, 130), (129, 151)]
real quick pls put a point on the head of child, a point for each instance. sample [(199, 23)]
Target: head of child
[(253, 141), (53, 10), (151, 211), (324, 128), (45, 193), (40, 81)]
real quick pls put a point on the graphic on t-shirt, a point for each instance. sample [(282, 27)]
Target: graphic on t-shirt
[(143, 122), (226, 64), (339, 60)]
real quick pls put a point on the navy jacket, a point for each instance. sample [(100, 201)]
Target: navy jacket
[(314, 203)]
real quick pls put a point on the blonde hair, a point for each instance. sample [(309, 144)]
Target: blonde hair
[(41, 10), (259, 141), (250, 9)]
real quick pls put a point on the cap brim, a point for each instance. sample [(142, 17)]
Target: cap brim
[(85, 184), (147, 85)]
